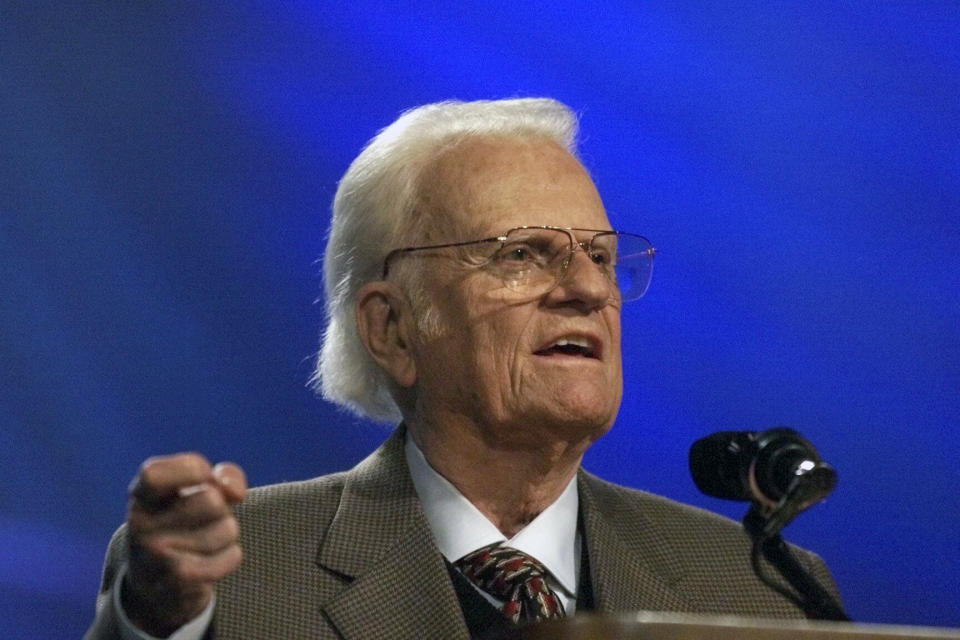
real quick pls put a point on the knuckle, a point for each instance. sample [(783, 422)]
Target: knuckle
[(152, 461), (150, 472), (232, 528), (193, 461), (228, 561), (217, 537), (225, 531), (209, 503), (157, 549), (155, 470), (189, 569), (234, 556)]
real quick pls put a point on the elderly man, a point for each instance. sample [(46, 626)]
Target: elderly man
[(474, 288)]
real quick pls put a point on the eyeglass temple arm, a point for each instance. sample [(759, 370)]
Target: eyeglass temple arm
[(448, 245)]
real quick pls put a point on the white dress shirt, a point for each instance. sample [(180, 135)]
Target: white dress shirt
[(458, 528)]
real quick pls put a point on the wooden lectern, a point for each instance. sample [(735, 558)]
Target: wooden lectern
[(663, 626)]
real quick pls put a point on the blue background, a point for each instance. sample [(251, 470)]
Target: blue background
[(165, 177)]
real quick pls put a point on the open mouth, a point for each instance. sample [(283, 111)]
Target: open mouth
[(569, 346)]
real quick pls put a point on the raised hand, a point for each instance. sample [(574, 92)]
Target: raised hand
[(183, 538)]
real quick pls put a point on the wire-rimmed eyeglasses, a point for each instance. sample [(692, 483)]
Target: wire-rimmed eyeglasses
[(534, 259)]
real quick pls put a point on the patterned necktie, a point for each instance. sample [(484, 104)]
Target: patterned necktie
[(516, 578)]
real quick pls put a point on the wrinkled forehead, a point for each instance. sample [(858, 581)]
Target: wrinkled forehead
[(484, 186)]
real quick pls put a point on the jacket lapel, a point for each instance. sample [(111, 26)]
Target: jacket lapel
[(399, 586), (380, 540), (630, 567)]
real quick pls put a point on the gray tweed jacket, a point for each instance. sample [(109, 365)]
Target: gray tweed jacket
[(351, 555)]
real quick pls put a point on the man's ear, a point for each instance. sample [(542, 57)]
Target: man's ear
[(384, 321)]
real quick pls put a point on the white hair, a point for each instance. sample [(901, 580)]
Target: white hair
[(373, 213)]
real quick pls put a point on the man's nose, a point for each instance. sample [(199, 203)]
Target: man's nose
[(583, 280)]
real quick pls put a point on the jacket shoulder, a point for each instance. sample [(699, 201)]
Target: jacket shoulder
[(280, 518), (310, 494), (651, 510), (707, 554)]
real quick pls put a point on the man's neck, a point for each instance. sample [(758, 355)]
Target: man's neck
[(509, 486)]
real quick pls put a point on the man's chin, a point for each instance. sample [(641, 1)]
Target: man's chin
[(586, 403), (578, 423)]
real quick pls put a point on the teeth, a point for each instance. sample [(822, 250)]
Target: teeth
[(579, 342)]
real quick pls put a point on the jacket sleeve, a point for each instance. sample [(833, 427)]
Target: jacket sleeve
[(110, 623), (105, 624)]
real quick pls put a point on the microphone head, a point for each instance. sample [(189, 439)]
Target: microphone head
[(716, 463), (748, 465)]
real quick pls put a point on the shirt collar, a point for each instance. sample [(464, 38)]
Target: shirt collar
[(459, 528)]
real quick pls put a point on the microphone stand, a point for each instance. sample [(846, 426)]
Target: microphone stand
[(779, 471), (811, 597)]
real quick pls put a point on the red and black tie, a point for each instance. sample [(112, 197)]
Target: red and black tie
[(517, 579)]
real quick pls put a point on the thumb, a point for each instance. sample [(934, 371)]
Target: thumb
[(231, 480)]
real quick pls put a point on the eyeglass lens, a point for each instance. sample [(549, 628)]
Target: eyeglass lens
[(535, 259)]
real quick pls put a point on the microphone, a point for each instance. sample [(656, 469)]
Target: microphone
[(764, 467), (779, 471)]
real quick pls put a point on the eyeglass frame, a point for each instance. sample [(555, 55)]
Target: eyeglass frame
[(585, 245)]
